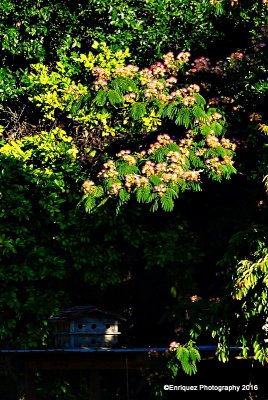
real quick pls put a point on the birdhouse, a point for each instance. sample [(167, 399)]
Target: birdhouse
[(85, 327)]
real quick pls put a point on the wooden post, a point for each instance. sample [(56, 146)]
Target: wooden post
[(94, 387), (29, 384)]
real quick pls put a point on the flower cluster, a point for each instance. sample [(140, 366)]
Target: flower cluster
[(235, 2), (155, 90), (238, 55), (201, 64), (135, 180), (194, 298), (149, 168), (212, 141), (87, 186), (193, 176), (173, 346), (146, 75), (109, 170), (170, 81), (154, 79), (183, 57), (174, 168), (259, 42), (157, 84), (102, 77), (165, 166), (227, 144), (128, 70), (114, 188), (130, 97), (157, 81), (219, 68), (162, 140), (126, 156), (160, 189), (174, 65), (168, 172), (158, 70), (186, 94), (215, 164), (255, 117)]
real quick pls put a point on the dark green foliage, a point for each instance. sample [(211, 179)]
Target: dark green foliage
[(45, 238), (204, 252)]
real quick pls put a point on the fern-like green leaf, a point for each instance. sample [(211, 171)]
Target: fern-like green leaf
[(126, 169), (216, 127), (100, 98), (155, 180), (211, 153), (200, 101), (205, 130), (182, 185), (194, 354), (154, 206), (103, 202), (123, 195), (160, 154), (195, 186), (195, 161), (152, 197), (172, 192), (199, 113), (99, 192), (143, 194), (167, 203), (173, 147), (183, 117), (108, 183), (188, 356), (90, 203), (221, 151), (183, 356), (83, 101), (169, 111), (115, 97), (123, 84), (137, 110)]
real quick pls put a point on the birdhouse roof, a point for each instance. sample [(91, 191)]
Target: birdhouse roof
[(77, 312)]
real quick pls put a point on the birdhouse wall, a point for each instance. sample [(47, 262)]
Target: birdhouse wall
[(85, 341), (94, 326)]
